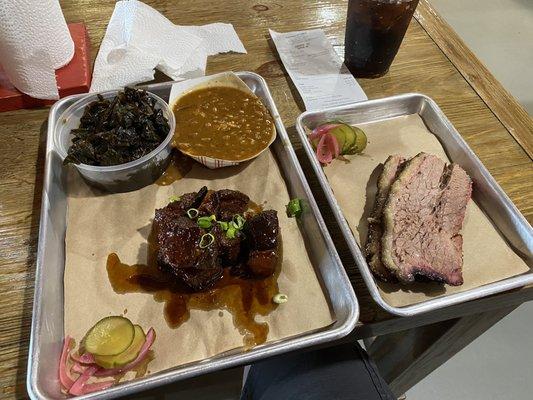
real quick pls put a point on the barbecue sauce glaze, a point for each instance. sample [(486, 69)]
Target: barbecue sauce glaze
[(244, 298)]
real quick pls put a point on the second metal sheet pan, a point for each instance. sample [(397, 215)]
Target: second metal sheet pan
[(492, 198)]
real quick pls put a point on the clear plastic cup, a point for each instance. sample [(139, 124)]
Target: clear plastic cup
[(123, 177), (374, 32)]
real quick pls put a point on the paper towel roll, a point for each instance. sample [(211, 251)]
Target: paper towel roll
[(34, 42)]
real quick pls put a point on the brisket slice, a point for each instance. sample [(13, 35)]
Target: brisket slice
[(422, 219), (391, 169)]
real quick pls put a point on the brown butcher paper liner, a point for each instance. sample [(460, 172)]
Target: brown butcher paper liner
[(102, 224), (487, 257)]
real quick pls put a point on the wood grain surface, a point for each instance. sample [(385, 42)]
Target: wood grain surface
[(421, 66)]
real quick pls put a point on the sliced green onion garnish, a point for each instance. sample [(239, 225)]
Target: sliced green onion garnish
[(204, 222), (224, 225), (206, 240), (172, 199), (238, 221), (230, 233), (294, 208), (192, 213), (280, 298)]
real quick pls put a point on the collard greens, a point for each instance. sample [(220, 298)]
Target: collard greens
[(118, 130)]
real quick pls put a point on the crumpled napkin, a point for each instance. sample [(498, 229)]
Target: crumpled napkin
[(139, 39)]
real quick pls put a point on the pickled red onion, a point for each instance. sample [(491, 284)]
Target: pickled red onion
[(320, 130), (77, 387), (85, 358), (150, 337), (95, 387), (64, 377), (332, 139), (78, 368), (327, 148), (323, 151), (81, 387), (85, 366)]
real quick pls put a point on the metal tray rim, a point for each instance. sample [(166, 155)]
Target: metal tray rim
[(429, 305), (201, 367), (31, 385)]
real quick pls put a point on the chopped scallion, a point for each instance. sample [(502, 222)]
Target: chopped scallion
[(238, 221), (172, 199), (280, 298), (230, 233), (192, 213), (224, 225), (206, 240), (204, 222), (294, 208)]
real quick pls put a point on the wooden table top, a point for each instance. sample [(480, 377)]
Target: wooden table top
[(432, 60)]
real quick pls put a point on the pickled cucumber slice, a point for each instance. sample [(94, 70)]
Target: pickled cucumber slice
[(359, 143), (360, 140), (340, 133), (127, 355), (351, 140), (109, 336)]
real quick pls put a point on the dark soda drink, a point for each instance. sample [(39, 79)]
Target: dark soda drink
[(374, 32)]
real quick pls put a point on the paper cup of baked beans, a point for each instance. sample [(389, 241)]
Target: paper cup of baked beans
[(220, 122)]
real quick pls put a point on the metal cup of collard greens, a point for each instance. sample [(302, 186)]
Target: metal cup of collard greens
[(225, 79)]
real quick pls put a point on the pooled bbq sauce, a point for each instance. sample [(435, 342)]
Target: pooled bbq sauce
[(243, 298), (179, 166)]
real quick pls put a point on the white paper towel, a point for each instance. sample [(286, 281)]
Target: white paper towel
[(139, 39), (34, 42), (216, 38)]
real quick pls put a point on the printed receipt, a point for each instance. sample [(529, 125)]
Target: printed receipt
[(317, 71)]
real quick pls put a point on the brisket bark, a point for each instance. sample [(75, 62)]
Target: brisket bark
[(391, 169)]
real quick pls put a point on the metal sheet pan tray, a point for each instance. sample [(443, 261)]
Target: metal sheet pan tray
[(47, 324), (487, 193)]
